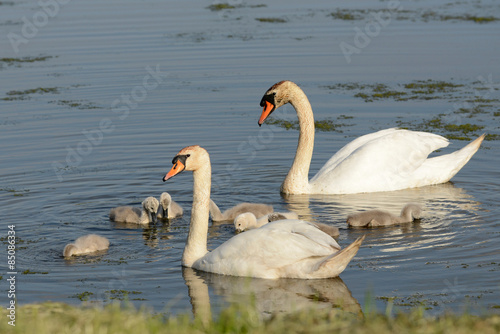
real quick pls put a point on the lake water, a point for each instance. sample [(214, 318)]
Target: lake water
[(98, 97)]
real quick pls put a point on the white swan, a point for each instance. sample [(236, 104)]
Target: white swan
[(285, 248), (248, 221), (168, 208), (386, 160), (86, 244), (374, 218), (258, 209), (127, 214)]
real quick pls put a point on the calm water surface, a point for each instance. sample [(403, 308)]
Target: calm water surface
[(113, 90)]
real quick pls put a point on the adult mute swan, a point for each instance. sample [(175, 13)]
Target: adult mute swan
[(127, 214), (248, 221), (386, 160), (258, 209), (168, 208), (285, 248), (374, 218), (89, 243)]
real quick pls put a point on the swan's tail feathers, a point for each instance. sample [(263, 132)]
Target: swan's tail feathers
[(442, 168), (333, 265), (215, 211)]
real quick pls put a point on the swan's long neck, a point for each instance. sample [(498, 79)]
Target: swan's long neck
[(196, 244), (297, 180)]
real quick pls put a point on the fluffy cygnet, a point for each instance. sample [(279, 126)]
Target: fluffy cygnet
[(374, 218), (127, 214), (168, 208), (247, 221), (86, 244), (257, 209)]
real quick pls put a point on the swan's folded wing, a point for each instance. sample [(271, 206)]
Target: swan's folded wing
[(306, 230), (261, 251), (384, 160)]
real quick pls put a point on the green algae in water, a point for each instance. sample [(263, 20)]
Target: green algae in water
[(320, 125), (220, 6), (430, 86), (25, 94), (270, 19), (473, 18), (29, 272), (82, 105), (225, 6), (417, 90), (83, 296), (347, 14), (11, 61), (122, 294), (15, 192)]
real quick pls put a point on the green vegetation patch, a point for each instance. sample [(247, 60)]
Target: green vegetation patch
[(29, 272), (225, 6), (348, 14), (14, 61), (431, 15), (122, 295), (79, 104), (400, 14), (15, 192), (83, 296), (452, 131), (471, 102), (320, 125), (415, 90), (55, 318), (220, 6), (25, 94), (270, 19)]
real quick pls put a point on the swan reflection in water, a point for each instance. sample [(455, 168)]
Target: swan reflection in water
[(268, 296), (439, 201), (445, 209)]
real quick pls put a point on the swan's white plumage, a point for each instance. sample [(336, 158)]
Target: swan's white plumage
[(275, 250), (286, 248), (386, 160)]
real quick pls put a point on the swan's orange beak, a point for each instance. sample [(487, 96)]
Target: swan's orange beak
[(268, 109), (176, 169)]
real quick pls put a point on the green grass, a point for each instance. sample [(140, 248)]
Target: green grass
[(61, 318)]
